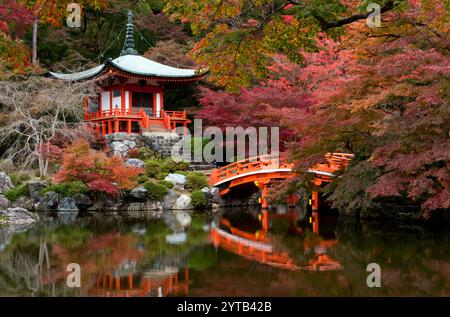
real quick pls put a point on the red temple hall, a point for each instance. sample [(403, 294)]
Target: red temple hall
[(132, 92)]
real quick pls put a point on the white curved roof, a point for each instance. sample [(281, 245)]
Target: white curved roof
[(134, 64)]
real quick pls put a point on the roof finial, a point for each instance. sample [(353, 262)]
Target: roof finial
[(129, 38)]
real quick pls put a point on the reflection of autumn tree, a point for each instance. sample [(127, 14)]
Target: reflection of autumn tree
[(107, 252)]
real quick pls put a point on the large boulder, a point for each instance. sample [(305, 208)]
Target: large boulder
[(35, 187), (5, 183), (170, 199), (83, 201), (25, 203), (134, 162), (49, 201), (176, 179), (17, 216), (183, 202), (118, 148), (139, 193), (67, 204), (4, 202)]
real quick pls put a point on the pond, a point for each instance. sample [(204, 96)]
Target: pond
[(225, 255)]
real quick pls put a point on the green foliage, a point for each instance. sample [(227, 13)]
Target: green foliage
[(166, 183), (145, 153), (152, 168), (67, 189), (202, 259), (143, 179), (18, 178), (198, 199), (157, 167), (181, 173), (162, 175), (155, 191), (196, 180), (16, 192)]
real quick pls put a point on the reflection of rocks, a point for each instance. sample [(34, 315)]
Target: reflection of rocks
[(67, 204), (67, 217), (17, 217), (177, 220), (5, 182), (176, 238)]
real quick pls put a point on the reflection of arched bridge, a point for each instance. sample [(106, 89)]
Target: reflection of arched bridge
[(261, 170), (256, 247)]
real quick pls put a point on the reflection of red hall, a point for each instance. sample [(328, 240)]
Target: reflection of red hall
[(152, 283)]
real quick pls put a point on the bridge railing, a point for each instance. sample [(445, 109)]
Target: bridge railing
[(248, 165)]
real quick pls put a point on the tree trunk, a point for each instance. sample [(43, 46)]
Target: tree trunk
[(34, 42)]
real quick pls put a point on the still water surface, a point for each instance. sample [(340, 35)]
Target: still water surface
[(232, 257)]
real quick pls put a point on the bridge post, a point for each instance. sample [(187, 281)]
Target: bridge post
[(265, 219), (315, 201), (315, 222)]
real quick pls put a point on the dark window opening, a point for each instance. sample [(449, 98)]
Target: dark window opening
[(143, 100)]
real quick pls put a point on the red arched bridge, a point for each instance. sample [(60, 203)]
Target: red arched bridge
[(262, 170)]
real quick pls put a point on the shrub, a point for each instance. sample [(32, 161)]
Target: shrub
[(169, 166), (19, 178), (152, 168), (195, 181), (145, 153), (167, 184), (155, 191), (133, 153), (16, 192), (198, 199), (68, 189), (162, 175), (95, 169), (182, 166), (181, 173), (143, 179)]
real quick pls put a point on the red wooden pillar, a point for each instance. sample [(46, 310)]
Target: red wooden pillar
[(129, 126), (315, 201), (315, 222), (130, 281), (264, 196), (118, 282), (265, 219), (103, 128)]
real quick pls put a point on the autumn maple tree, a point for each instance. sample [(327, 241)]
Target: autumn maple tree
[(95, 169), (380, 93)]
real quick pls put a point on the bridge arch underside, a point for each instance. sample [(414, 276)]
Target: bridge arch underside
[(246, 185)]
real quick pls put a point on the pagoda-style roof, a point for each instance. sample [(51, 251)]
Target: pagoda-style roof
[(131, 64)]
